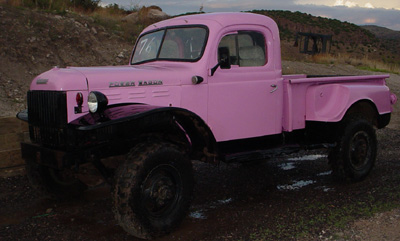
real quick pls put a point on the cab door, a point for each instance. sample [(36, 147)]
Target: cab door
[(245, 100)]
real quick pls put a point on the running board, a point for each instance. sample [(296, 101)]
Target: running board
[(257, 155)]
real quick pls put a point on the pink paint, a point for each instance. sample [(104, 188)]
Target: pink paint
[(236, 103)]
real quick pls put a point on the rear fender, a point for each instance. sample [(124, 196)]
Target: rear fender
[(331, 102)]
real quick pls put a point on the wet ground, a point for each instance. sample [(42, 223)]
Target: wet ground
[(289, 198)]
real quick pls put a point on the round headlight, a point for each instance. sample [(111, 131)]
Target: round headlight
[(97, 102)]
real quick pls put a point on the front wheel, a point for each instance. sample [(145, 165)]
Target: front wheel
[(355, 154), (153, 190)]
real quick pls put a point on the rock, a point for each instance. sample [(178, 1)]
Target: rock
[(31, 40), (152, 13), (156, 14), (131, 18), (78, 24)]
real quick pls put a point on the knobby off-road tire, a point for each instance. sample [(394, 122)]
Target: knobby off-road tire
[(56, 184), (153, 190), (355, 154)]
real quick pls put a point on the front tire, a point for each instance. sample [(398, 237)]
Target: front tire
[(153, 190), (355, 155)]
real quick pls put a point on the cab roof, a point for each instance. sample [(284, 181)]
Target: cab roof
[(215, 20)]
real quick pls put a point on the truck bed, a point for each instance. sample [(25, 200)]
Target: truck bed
[(326, 98)]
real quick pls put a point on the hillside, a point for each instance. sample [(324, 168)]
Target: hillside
[(382, 33), (32, 42), (348, 40), (390, 40)]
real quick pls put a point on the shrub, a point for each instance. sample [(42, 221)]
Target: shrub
[(58, 5)]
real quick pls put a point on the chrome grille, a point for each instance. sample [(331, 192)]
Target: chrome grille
[(47, 108), (47, 114)]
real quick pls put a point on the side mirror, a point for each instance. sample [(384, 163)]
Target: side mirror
[(223, 60)]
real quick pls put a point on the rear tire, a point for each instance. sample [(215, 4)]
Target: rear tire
[(354, 156), (153, 190)]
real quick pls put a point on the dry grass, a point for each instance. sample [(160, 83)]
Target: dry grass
[(112, 17), (14, 3), (364, 63)]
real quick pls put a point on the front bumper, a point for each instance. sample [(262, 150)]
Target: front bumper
[(44, 156)]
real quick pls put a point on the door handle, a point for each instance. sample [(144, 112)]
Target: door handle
[(275, 88)]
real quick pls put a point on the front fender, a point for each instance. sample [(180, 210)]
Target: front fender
[(130, 121)]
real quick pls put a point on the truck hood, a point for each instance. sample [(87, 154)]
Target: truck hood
[(100, 78), (60, 79)]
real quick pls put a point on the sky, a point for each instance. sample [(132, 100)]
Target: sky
[(385, 13)]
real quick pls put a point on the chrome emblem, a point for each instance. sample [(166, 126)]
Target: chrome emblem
[(122, 84), (150, 82), (133, 83), (41, 81)]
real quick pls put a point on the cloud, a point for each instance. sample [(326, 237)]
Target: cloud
[(349, 4), (369, 5)]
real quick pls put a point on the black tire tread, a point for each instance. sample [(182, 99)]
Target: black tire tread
[(342, 170), (135, 161)]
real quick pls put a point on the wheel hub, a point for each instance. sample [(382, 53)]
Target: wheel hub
[(162, 192), (359, 150), (159, 191)]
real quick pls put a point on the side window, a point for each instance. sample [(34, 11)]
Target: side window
[(246, 48)]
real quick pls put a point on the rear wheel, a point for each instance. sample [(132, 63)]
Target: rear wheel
[(153, 190), (355, 155)]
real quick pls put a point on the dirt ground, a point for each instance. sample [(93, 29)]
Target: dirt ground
[(288, 198)]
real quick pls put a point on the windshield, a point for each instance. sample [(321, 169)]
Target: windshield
[(179, 44)]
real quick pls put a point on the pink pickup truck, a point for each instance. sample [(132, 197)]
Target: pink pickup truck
[(203, 87)]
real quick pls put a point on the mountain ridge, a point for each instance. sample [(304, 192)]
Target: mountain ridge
[(382, 32)]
